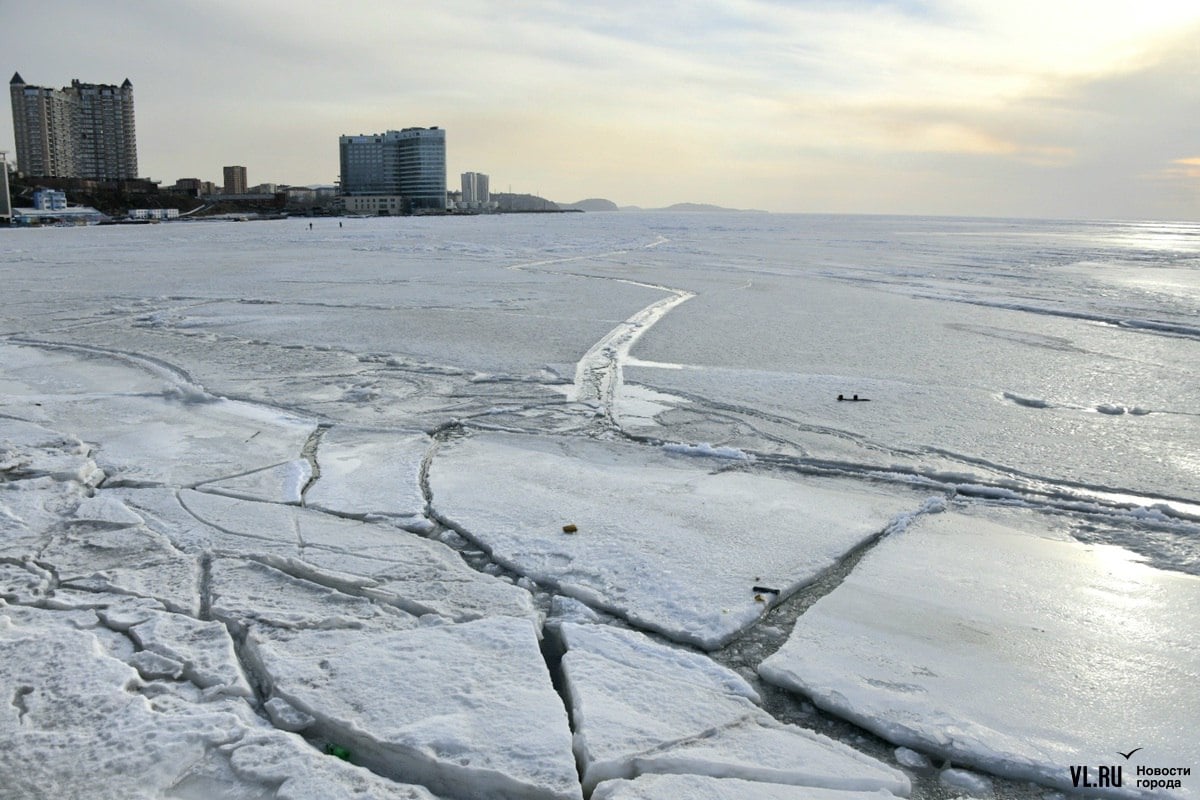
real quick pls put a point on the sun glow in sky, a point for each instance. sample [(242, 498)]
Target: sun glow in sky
[(1053, 108)]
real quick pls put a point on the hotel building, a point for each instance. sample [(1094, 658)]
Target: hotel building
[(394, 172)]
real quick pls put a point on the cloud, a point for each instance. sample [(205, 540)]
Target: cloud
[(950, 106)]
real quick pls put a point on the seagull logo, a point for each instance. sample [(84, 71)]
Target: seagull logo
[(1127, 755)]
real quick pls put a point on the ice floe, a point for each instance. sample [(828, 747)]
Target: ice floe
[(467, 709), (77, 720), (1000, 644), (205, 650), (245, 592), (282, 483), (371, 473), (417, 575), (82, 722), (671, 543), (641, 707)]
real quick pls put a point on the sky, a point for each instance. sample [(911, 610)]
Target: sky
[(1021, 108)]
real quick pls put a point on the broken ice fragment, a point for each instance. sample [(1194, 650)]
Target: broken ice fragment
[(287, 717)]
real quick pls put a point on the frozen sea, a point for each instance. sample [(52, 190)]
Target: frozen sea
[(568, 506)]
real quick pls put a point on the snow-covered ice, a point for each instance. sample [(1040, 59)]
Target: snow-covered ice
[(84, 724), (204, 649), (77, 720), (463, 709), (168, 433), (282, 483), (671, 543), (229, 455), (702, 787), (366, 472), (641, 707), (995, 641), (417, 575)]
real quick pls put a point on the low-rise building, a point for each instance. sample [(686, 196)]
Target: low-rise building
[(374, 204), (154, 213), (49, 200), (72, 215)]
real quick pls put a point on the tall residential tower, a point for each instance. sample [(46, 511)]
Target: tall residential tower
[(235, 180), (85, 130), (475, 192)]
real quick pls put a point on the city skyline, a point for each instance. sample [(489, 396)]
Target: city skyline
[(1070, 109)]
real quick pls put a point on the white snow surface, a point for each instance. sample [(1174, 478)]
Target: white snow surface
[(82, 723), (282, 483), (1000, 645), (172, 436), (642, 707), (218, 439), (668, 542), (702, 787), (370, 472), (449, 707)]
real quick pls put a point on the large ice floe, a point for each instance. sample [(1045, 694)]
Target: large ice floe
[(998, 643), (371, 473), (672, 542), (645, 708), (91, 717), (463, 709)]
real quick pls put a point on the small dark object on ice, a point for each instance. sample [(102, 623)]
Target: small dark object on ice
[(570, 528), (762, 589), (337, 751), (855, 399)]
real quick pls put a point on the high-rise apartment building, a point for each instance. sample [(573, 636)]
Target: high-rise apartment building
[(85, 130), (409, 163), (235, 180), (475, 192)]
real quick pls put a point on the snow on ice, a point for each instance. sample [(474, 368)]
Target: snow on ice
[(376, 473), (217, 480), (702, 787), (641, 707), (447, 706), (997, 643), (673, 544)]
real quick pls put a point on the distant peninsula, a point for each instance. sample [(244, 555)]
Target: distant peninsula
[(600, 204), (698, 207), (591, 204)]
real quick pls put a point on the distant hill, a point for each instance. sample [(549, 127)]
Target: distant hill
[(522, 203), (591, 204), (707, 207), (600, 204), (697, 207)]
